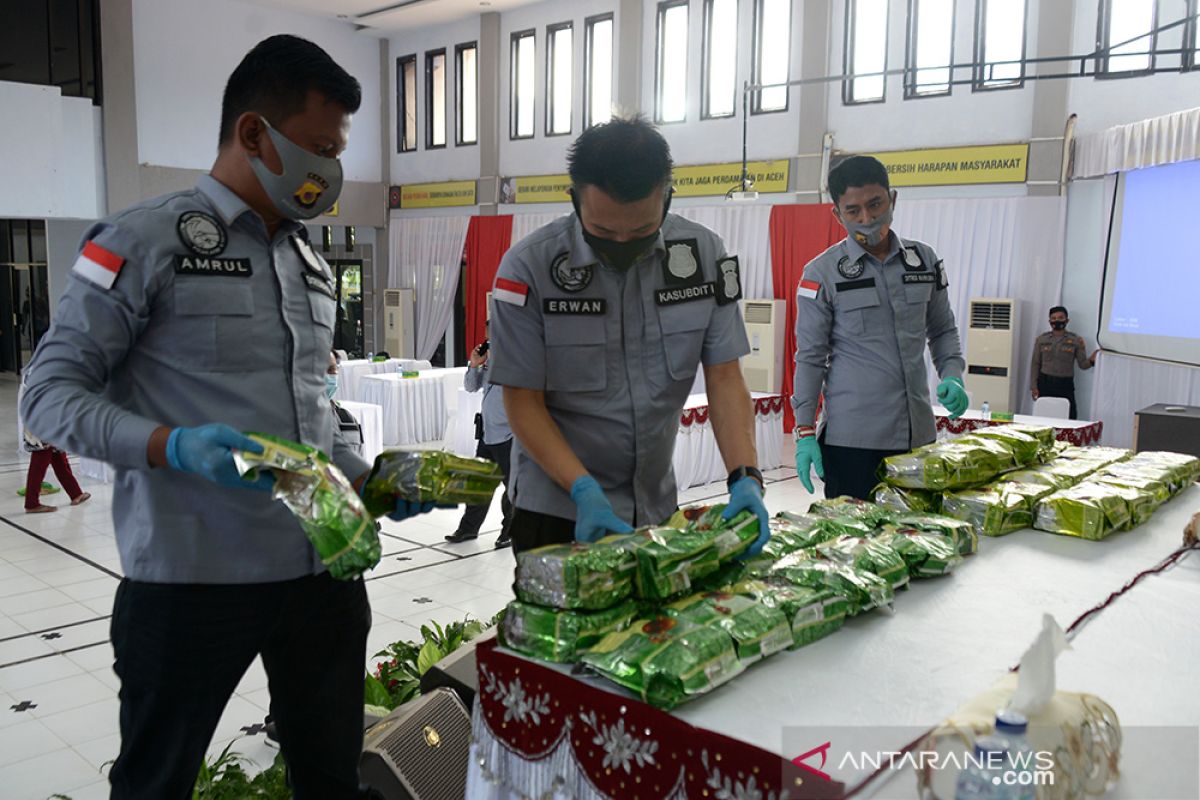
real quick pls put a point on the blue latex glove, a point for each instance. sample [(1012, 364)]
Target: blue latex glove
[(953, 396), (207, 451), (747, 495), (808, 454), (595, 518)]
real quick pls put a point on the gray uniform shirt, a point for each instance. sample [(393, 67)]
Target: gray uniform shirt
[(615, 353), (861, 329), (1056, 354), (207, 320), (495, 420)]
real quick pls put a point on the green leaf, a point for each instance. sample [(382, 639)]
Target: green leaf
[(430, 654), (375, 693)]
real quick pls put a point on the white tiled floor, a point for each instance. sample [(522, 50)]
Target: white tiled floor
[(58, 572)]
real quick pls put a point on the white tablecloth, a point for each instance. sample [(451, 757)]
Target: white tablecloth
[(697, 460), (351, 372), (460, 429), (414, 409), (370, 417)]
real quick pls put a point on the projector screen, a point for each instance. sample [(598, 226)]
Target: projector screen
[(1151, 305)]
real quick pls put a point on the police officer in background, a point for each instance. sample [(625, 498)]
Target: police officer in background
[(600, 321), (864, 311), (1055, 354), (187, 319)]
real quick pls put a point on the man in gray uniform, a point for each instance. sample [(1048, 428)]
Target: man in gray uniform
[(187, 319), (864, 311), (1055, 354), (600, 321)]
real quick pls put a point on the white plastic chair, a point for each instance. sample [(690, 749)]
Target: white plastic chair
[(1054, 407)]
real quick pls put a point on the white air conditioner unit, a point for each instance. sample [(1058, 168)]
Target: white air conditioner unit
[(399, 339), (992, 353), (763, 368)]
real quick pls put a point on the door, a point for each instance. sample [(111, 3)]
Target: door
[(348, 333), (24, 291)]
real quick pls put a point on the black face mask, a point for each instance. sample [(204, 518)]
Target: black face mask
[(619, 255), (1058, 326)]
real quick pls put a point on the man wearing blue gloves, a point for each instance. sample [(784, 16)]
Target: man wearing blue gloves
[(206, 305), (600, 321), (864, 311)]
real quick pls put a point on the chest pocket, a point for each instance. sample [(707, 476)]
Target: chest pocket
[(858, 309), (917, 297), (683, 326), (576, 353), (217, 320)]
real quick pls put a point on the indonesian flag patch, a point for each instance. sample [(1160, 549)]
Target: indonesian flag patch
[(98, 266), (809, 289), (513, 292)]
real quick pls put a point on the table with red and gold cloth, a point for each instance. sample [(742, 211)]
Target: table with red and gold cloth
[(1079, 432), (697, 460)]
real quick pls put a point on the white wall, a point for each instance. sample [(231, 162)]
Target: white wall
[(1102, 103), (964, 117), (1088, 209), (184, 52), (53, 164), (420, 165)]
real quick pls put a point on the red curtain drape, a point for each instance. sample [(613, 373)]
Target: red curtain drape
[(799, 233), (488, 239)]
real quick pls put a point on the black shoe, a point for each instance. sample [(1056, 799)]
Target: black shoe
[(458, 537), (503, 541)]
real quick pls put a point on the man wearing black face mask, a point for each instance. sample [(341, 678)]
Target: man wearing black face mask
[(1055, 354), (600, 322)]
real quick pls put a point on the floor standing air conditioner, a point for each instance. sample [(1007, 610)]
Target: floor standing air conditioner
[(992, 354), (763, 368), (399, 339)]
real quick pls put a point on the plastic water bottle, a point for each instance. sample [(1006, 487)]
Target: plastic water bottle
[(1012, 727), (986, 409), (370, 356), (978, 780)]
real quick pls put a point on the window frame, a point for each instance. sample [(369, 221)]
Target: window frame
[(1190, 59), (1103, 22), (705, 78), (848, 26), (430, 55), (978, 80), (401, 106), (659, 14), (459, 49), (910, 54), (551, 30), (589, 24), (756, 61), (513, 45)]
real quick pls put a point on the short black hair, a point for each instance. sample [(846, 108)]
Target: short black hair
[(1056, 309), (275, 78), (626, 158), (856, 171)]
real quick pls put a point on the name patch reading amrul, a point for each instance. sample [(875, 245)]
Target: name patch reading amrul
[(199, 265)]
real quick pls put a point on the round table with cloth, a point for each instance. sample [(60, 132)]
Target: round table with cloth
[(351, 371), (414, 409)]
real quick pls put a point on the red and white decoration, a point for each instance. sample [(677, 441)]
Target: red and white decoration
[(98, 266), (1080, 433)]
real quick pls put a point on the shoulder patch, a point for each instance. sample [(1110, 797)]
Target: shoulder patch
[(729, 280), (808, 289), (912, 260), (511, 292), (98, 266), (681, 263), (850, 269), (202, 233), (569, 278)]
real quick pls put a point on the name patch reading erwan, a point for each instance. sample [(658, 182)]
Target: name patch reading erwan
[(669, 297), (574, 305), (201, 265)]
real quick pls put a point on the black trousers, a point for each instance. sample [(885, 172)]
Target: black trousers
[(532, 529), (473, 516), (852, 471), (1055, 386), (181, 650)]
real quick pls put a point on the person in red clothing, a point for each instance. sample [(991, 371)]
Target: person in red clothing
[(42, 456)]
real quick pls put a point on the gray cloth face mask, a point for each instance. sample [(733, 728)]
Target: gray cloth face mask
[(310, 184), (870, 234)]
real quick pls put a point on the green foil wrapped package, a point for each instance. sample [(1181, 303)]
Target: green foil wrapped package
[(945, 465), (1088, 511), (997, 455), (1023, 446), (730, 537), (1074, 470), (1100, 456), (926, 554), (1039, 475), (1137, 477), (670, 561), (1030, 492), (869, 555), (757, 630), (666, 660), (1140, 503), (429, 475), (576, 575), (330, 512), (960, 533), (993, 512), (1043, 433), (864, 590), (1179, 470), (868, 513), (553, 634), (812, 613), (901, 500)]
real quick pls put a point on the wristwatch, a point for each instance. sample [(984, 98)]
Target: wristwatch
[(742, 472)]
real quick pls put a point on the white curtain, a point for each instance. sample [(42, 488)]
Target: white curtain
[(1124, 385), (426, 255), (995, 247), (746, 230), (525, 224), (1159, 140)]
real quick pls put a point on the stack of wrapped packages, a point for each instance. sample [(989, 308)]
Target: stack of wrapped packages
[(674, 611), (1009, 477)]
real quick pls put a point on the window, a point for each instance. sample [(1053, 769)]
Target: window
[(772, 37), (466, 94), (597, 83), (718, 97), (435, 99), (1125, 38), (999, 43), (52, 43), (1191, 39), (560, 60), (406, 104), (521, 101), (671, 68), (866, 51), (930, 48)]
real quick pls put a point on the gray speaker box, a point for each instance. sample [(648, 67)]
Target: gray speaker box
[(420, 751)]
